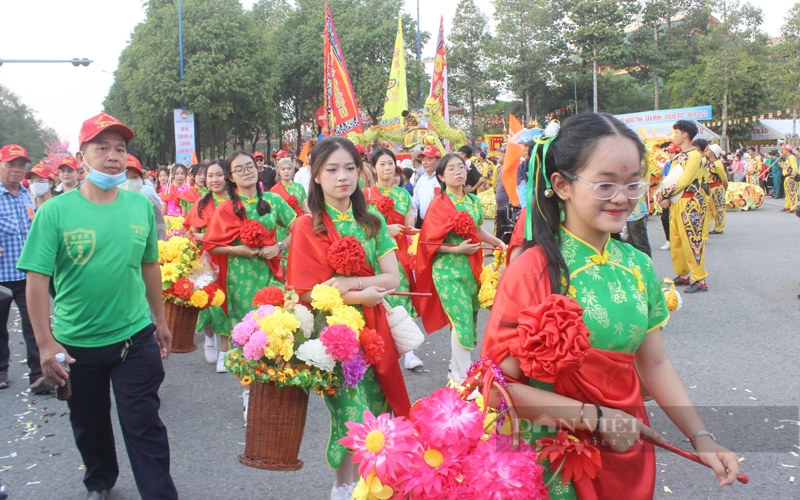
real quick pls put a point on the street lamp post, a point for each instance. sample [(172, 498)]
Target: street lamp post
[(75, 61), (419, 59), (180, 47)]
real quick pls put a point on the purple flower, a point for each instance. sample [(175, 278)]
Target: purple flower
[(354, 370)]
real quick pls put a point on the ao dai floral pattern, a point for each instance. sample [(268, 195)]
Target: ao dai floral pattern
[(402, 204), (454, 281), (348, 404), (295, 189)]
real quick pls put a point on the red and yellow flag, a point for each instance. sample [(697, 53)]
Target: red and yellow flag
[(341, 108), (439, 80)]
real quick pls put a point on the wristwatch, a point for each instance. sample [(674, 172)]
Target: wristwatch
[(701, 433), (281, 246)]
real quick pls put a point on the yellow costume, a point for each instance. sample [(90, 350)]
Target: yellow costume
[(717, 181), (789, 184), (687, 218), (489, 172)]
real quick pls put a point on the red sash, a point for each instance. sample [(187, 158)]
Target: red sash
[(438, 223), (308, 266), (198, 219), (223, 230), (517, 236), (170, 194), (190, 195), (290, 199), (606, 377)]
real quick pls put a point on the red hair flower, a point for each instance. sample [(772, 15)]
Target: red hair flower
[(346, 255), (253, 234), (268, 296), (373, 345), (572, 456), (385, 205), (553, 338), (464, 225), (183, 289)]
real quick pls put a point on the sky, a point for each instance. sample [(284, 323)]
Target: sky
[(63, 96)]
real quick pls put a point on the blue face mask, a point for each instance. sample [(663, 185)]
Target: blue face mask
[(105, 181)]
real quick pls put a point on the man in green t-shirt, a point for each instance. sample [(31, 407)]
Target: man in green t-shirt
[(99, 245)]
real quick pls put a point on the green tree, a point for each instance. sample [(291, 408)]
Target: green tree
[(19, 125), (784, 66)]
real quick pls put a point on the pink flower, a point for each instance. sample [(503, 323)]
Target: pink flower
[(242, 331), (431, 473), (341, 342), (445, 420), (254, 348), (381, 443), (265, 310), (496, 470)]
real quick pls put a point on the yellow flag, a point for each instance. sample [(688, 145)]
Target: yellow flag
[(397, 92)]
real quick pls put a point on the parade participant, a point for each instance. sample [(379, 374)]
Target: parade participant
[(266, 174), (303, 176), (488, 170), (588, 179), (40, 180), (452, 273), (789, 184), (105, 274), (135, 182), (291, 192), (338, 210), (718, 185), (366, 177), (416, 160), (68, 175), (175, 187), (394, 203), (16, 214), (197, 190), (777, 172), (212, 321), (687, 204), (162, 180), (408, 173), (427, 184), (474, 181)]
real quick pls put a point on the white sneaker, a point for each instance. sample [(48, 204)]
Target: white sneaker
[(343, 492), (210, 348), (412, 361), (665, 246), (221, 363)]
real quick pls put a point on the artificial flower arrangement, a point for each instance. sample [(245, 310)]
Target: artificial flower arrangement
[(325, 349), (175, 226), (490, 277), (187, 277), (671, 295)]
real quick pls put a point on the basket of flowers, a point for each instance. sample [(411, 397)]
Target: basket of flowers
[(188, 283), (283, 350), (490, 277)]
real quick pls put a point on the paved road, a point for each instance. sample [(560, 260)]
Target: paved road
[(736, 348)]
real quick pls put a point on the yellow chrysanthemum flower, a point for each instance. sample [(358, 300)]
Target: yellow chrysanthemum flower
[(169, 273), (325, 298), (247, 380), (219, 298), (348, 316), (280, 323), (198, 299)]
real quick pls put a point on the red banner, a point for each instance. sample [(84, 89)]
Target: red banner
[(439, 80), (340, 101)]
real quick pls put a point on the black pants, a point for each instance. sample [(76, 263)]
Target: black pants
[(135, 381), (665, 221), (18, 292), (637, 235)]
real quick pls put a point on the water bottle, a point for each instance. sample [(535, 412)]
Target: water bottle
[(64, 392)]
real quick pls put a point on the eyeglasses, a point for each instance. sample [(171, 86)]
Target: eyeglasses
[(243, 170), (605, 191)]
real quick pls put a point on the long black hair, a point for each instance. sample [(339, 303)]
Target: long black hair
[(209, 196), (262, 207), (440, 168), (316, 198), (568, 153)]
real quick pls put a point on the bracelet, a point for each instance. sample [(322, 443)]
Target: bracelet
[(596, 435), (701, 433), (360, 286), (583, 405)]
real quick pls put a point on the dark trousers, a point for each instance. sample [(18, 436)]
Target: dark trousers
[(135, 381), (18, 293), (501, 224), (665, 222), (637, 235)]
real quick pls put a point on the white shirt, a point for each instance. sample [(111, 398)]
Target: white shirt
[(303, 176), (424, 192)]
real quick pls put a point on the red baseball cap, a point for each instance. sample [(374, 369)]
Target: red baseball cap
[(92, 127), (280, 154), (41, 170), (673, 148), (431, 152), (12, 152), (133, 163), (68, 161), (259, 154), (360, 149)]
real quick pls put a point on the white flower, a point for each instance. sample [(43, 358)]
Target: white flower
[(306, 319), (315, 354), (552, 129)]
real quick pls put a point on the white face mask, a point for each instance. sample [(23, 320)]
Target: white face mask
[(134, 185), (40, 188)]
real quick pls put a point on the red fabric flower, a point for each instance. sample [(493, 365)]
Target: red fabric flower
[(464, 225), (253, 234), (211, 289), (346, 255), (373, 345), (269, 296), (574, 457), (385, 205), (553, 338), (292, 202), (183, 289)]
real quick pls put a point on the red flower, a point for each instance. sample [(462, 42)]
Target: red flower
[(253, 234), (574, 457), (346, 255), (268, 296), (292, 202), (373, 345), (464, 226), (211, 289), (553, 338), (183, 289), (385, 205)]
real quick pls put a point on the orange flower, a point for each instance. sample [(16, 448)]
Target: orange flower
[(573, 457), (330, 391), (258, 372), (271, 372)]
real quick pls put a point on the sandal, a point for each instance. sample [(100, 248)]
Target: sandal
[(42, 386), (4, 383)]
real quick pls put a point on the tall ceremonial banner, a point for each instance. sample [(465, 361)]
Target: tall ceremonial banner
[(397, 92), (439, 80), (184, 137), (511, 162), (340, 101)]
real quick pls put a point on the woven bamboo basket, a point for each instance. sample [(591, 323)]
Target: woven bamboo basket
[(182, 321), (276, 420)]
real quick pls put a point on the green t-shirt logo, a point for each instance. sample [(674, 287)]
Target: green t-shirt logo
[(80, 245)]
